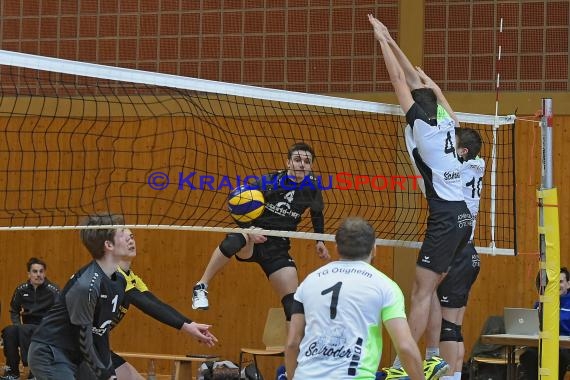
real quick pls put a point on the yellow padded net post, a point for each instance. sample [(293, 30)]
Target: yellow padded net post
[(550, 301), (549, 254)]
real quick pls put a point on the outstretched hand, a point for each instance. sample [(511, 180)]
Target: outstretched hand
[(201, 333), (322, 251), (426, 79), (428, 82), (256, 238), (380, 30)]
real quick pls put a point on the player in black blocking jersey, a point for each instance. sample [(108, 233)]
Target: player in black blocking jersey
[(288, 194), (431, 144), (30, 303), (76, 329), (138, 294)]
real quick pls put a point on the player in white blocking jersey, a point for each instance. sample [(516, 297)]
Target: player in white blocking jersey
[(444, 331), (431, 143), (339, 311)]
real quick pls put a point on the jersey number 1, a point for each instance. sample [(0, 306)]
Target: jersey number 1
[(114, 301), (475, 187), (335, 289)]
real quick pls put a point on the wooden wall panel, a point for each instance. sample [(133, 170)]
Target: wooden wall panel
[(171, 261)]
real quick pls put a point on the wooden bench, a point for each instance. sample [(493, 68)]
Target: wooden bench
[(182, 364)]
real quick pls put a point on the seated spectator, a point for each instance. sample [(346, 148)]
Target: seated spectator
[(30, 302), (529, 358)]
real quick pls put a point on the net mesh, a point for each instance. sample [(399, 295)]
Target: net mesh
[(168, 155)]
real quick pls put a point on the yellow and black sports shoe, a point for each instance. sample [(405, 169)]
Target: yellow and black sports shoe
[(435, 367), (393, 373)]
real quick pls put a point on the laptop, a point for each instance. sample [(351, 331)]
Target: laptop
[(519, 321)]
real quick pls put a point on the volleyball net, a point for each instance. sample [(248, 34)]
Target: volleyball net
[(165, 151)]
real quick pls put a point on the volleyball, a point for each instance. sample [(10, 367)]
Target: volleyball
[(246, 203)]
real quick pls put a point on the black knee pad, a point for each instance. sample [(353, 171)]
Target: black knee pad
[(232, 244), (459, 334), (288, 301), (448, 331)]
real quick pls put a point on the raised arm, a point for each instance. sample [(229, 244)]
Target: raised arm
[(395, 71), (412, 77), (440, 97)]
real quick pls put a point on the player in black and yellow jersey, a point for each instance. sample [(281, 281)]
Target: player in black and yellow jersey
[(138, 294), (76, 329)]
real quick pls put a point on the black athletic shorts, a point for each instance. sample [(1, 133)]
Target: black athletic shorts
[(448, 230), (85, 373), (117, 360), (272, 255), (453, 291)]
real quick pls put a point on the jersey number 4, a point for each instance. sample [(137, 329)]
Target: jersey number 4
[(449, 148), (335, 290)]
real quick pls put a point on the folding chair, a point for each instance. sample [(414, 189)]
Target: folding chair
[(274, 337)]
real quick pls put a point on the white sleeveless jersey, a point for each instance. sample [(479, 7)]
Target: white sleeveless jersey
[(432, 150), (345, 303), (472, 173)]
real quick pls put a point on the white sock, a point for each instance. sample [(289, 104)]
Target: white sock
[(447, 377), (431, 352), (397, 363), (457, 376)]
